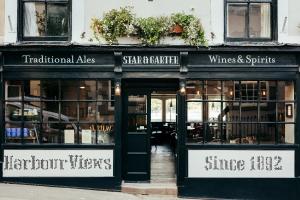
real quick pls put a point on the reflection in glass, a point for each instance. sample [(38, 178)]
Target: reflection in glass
[(268, 111), (104, 91), (51, 111), (69, 110), (228, 90), (231, 133), (137, 123), (156, 110), (286, 133), (194, 112), (105, 112), (50, 90), (87, 90), (13, 111), (32, 111), (40, 20), (213, 90), (231, 112), (267, 133), (32, 132), (236, 20), (286, 90), (69, 90), (87, 111), (13, 132), (32, 90), (13, 90), (260, 20), (194, 90), (249, 111), (137, 104), (57, 19)]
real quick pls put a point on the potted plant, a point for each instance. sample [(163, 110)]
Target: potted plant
[(179, 21)]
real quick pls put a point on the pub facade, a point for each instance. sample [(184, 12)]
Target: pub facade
[(224, 117)]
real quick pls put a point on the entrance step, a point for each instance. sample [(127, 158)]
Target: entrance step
[(156, 188)]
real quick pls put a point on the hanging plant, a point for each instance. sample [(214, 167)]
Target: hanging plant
[(152, 29), (114, 24)]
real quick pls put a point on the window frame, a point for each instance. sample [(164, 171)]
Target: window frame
[(20, 25), (273, 22), (76, 123), (258, 123)]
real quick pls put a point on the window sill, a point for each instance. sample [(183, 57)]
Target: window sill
[(252, 43)]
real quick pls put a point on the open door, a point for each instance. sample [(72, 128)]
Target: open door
[(137, 130)]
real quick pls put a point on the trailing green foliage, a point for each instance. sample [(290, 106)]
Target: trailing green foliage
[(122, 22)]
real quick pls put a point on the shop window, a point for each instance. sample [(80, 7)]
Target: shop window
[(241, 112), (59, 111), (249, 19), (45, 20)]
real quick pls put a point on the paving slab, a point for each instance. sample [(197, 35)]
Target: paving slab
[(34, 192)]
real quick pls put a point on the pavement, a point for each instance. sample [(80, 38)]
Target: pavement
[(33, 192)]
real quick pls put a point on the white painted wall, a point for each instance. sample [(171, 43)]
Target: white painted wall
[(10, 21), (288, 21), (2, 11), (209, 11)]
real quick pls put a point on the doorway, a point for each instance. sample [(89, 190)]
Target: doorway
[(163, 136), (149, 139)]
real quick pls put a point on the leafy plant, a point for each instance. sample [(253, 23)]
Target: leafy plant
[(114, 24), (152, 29), (122, 22), (193, 32)]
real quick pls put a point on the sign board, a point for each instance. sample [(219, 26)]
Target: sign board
[(242, 59), (52, 59), (58, 163), (241, 164), (150, 60)]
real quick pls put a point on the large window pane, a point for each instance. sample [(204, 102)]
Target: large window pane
[(286, 90), (32, 90), (156, 110), (267, 133), (34, 19), (286, 133), (87, 111), (194, 112), (42, 19), (137, 104), (105, 90), (69, 111), (13, 90), (260, 20), (87, 90), (69, 90), (105, 112), (236, 20), (194, 90), (57, 19), (50, 90)]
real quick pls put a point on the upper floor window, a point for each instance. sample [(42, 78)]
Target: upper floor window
[(249, 20), (45, 20)]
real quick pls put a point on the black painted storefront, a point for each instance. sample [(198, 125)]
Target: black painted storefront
[(141, 70)]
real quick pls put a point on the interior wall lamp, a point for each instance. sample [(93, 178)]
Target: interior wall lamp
[(117, 88), (182, 88)]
